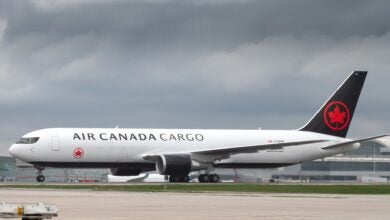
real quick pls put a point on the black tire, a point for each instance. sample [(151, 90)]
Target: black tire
[(171, 179), (206, 178), (40, 178), (214, 178)]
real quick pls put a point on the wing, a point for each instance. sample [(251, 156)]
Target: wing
[(213, 154), (381, 139), (254, 148)]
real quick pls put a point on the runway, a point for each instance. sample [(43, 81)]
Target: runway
[(85, 204)]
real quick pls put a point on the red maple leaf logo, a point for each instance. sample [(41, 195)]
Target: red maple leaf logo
[(337, 115), (78, 153)]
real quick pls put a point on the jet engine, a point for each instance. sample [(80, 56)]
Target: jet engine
[(177, 165)]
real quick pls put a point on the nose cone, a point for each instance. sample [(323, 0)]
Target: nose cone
[(21, 152), (12, 150), (16, 151)]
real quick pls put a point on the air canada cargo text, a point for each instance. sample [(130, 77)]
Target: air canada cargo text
[(138, 137)]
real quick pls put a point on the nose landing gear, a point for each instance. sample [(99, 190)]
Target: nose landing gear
[(40, 178)]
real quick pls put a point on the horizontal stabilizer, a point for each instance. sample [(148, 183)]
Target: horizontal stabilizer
[(385, 141), (380, 139)]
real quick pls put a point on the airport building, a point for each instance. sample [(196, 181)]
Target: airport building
[(7, 169)]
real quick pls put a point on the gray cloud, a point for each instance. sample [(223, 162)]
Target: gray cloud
[(187, 64)]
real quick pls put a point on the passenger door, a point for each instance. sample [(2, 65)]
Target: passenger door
[(55, 143)]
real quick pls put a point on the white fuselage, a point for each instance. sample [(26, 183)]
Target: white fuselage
[(107, 147)]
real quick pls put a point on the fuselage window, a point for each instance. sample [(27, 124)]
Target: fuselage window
[(31, 140)]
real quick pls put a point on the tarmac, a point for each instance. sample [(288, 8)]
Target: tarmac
[(85, 204)]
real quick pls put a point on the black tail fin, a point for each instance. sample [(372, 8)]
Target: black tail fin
[(336, 114)]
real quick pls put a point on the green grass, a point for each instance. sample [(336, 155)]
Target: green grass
[(196, 188)]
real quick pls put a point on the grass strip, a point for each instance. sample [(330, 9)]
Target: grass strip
[(193, 188)]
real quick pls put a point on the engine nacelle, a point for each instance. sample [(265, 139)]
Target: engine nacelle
[(125, 172), (177, 165)]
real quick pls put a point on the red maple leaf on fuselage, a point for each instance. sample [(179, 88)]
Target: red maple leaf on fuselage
[(78, 153), (337, 116)]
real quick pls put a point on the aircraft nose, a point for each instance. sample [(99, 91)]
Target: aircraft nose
[(20, 152), (14, 150)]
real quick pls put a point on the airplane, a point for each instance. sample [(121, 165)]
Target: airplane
[(178, 152)]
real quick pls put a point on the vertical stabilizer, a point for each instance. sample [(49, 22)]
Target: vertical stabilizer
[(336, 114)]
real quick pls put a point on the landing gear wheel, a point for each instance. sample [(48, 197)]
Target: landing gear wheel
[(208, 178), (214, 178), (40, 178), (179, 179), (203, 178)]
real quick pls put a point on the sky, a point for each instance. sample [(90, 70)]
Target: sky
[(222, 64)]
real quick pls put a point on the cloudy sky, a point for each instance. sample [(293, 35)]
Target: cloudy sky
[(188, 64)]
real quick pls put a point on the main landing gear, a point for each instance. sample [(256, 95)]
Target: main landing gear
[(203, 178), (208, 178), (40, 177), (179, 179)]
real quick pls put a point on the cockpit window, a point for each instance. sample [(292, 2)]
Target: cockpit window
[(30, 140)]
